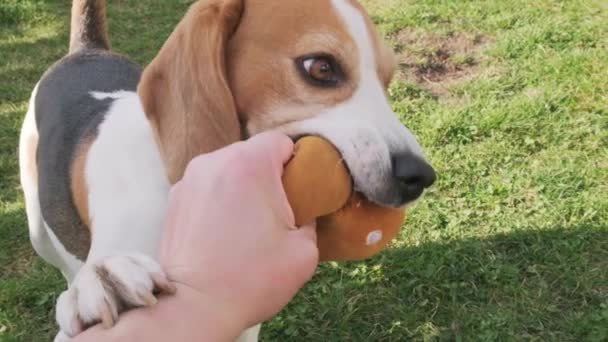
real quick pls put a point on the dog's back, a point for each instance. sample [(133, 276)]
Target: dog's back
[(66, 113)]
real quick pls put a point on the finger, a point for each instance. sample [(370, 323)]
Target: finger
[(145, 298), (77, 325), (204, 161), (162, 283), (277, 144), (307, 232), (279, 149), (107, 313), (173, 191), (169, 224), (303, 253)]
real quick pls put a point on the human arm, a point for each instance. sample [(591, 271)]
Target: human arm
[(230, 245)]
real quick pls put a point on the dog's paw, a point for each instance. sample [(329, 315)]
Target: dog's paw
[(62, 337), (103, 289)]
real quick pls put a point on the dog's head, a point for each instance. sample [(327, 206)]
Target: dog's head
[(235, 68)]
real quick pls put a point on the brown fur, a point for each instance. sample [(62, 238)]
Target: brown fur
[(184, 91), (225, 73), (88, 27), (78, 182), (267, 87)]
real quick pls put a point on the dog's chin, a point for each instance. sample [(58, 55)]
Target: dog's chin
[(391, 195), (381, 189)]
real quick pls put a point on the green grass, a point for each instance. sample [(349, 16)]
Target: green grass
[(511, 243)]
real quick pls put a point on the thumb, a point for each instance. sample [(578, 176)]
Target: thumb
[(304, 253), (307, 231), (276, 144)]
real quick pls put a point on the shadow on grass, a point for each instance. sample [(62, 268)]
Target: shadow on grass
[(535, 284), (547, 284)]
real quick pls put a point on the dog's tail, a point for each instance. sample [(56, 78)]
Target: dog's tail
[(89, 29)]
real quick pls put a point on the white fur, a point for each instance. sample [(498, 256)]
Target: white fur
[(364, 128), (84, 301), (98, 95), (127, 182), (43, 239), (71, 263), (250, 335), (61, 337)]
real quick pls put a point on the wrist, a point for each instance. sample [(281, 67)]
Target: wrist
[(214, 320), (186, 315)]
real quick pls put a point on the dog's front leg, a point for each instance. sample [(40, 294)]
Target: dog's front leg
[(127, 199), (121, 271)]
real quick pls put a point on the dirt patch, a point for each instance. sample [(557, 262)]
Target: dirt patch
[(437, 62)]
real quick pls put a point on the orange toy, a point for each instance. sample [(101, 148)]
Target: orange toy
[(318, 186)]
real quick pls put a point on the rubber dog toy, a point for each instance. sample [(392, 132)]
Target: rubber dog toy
[(319, 187)]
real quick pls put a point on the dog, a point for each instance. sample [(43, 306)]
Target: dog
[(103, 139)]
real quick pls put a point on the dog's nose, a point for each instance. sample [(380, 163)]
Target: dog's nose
[(413, 173)]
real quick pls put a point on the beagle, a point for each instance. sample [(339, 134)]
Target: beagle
[(103, 140)]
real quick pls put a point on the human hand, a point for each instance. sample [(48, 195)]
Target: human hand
[(230, 233)]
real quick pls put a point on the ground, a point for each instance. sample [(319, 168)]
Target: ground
[(508, 98)]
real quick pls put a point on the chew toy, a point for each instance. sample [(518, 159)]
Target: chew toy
[(319, 186)]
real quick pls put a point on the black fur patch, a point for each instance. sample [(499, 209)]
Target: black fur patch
[(66, 113)]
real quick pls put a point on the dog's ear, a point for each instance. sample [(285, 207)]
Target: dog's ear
[(185, 91)]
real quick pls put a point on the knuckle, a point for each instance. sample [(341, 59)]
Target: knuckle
[(273, 137), (195, 165), (238, 164)]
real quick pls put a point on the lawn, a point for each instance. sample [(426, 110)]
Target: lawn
[(510, 101)]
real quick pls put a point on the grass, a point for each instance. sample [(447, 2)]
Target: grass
[(509, 99)]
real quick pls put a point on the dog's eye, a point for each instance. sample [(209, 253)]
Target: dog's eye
[(320, 70)]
